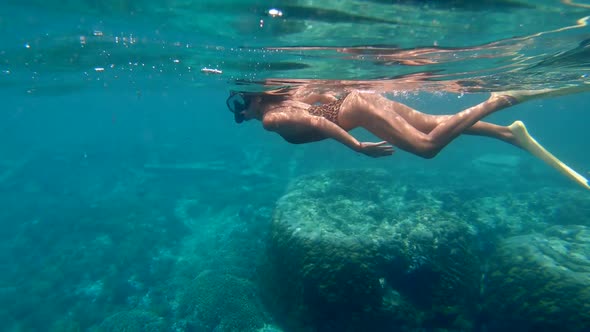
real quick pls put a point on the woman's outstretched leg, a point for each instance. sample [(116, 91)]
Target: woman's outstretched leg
[(393, 127), (427, 122), (409, 129), (455, 125)]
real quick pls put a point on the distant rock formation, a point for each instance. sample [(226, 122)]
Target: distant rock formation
[(541, 281)]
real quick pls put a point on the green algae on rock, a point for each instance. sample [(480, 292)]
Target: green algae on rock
[(355, 249), (217, 300), (134, 320), (541, 281)]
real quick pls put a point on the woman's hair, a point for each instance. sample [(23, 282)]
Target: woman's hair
[(270, 96)]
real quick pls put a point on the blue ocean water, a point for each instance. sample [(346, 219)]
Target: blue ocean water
[(131, 201)]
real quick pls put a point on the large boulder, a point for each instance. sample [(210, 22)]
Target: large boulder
[(356, 250), (540, 282)]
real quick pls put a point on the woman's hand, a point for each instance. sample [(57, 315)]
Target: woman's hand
[(376, 150)]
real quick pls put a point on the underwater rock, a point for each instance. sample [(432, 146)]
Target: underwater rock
[(497, 217), (221, 302), (135, 320), (354, 250), (570, 208), (540, 282)]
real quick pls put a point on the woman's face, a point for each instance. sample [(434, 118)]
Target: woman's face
[(243, 107), (252, 112)]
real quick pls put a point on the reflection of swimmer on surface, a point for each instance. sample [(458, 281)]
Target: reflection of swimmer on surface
[(302, 116)]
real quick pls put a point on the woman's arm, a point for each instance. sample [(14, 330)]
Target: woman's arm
[(300, 128)]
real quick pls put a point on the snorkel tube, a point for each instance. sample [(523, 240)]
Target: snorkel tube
[(236, 103)]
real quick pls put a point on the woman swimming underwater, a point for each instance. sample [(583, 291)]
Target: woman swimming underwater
[(302, 116)]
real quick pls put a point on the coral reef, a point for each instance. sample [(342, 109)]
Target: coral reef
[(540, 281), (95, 246), (353, 250), (132, 321), (222, 302)]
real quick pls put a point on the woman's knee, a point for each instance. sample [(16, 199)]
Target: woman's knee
[(427, 149), (429, 154)]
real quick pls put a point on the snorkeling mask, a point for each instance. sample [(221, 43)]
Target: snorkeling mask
[(236, 103)]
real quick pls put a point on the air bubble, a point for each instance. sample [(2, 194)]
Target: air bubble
[(275, 12)]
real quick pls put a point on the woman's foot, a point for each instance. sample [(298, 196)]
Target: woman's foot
[(520, 134), (528, 143)]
